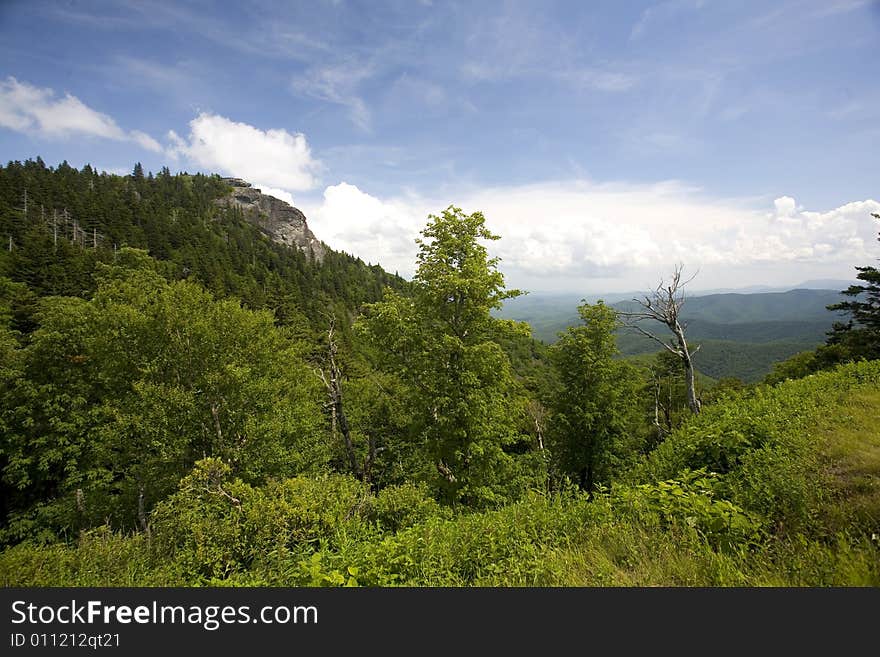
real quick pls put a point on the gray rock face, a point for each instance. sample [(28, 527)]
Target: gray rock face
[(281, 222)]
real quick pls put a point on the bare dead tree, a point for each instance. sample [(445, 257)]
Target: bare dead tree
[(538, 414), (664, 305), (332, 381), (662, 420)]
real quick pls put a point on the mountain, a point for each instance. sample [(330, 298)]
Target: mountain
[(826, 284), (281, 222), (59, 224), (760, 316), (794, 305), (740, 335)]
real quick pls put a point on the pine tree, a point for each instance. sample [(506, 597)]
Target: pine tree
[(860, 336)]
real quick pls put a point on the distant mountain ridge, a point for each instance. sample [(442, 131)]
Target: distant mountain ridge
[(613, 297), (741, 334), (549, 314)]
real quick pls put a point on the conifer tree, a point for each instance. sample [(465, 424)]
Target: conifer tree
[(860, 336)]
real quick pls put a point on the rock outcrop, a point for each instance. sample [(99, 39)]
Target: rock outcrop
[(280, 221)]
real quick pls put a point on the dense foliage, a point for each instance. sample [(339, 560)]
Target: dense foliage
[(444, 345), (596, 411), (784, 507), (214, 408), (58, 223), (113, 400)]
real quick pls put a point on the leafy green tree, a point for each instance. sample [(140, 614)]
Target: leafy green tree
[(444, 345), (596, 421), (124, 392), (11, 372)]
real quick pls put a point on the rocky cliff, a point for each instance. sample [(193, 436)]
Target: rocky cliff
[(282, 222)]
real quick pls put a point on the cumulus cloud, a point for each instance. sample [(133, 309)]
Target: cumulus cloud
[(145, 141), (281, 194), (791, 233), (274, 158), (32, 110), (380, 231), (576, 230), (785, 206)]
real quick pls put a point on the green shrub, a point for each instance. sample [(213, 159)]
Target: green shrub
[(509, 545), (202, 526), (691, 501), (405, 505), (721, 437), (214, 527), (100, 557)]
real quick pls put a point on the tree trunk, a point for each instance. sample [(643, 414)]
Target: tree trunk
[(142, 515), (345, 430), (690, 384), (338, 419), (693, 402)]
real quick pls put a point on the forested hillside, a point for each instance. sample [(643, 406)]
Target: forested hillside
[(185, 402), (58, 223)]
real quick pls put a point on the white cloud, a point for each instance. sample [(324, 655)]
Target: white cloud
[(32, 110), (785, 206), (281, 194), (272, 158), (566, 232), (116, 171), (375, 230), (145, 141)]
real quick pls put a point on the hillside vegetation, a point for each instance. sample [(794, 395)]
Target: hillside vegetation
[(184, 401), (780, 486)]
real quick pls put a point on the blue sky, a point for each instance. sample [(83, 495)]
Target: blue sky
[(603, 140)]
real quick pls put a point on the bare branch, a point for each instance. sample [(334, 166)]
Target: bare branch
[(664, 305), (655, 338), (444, 470)]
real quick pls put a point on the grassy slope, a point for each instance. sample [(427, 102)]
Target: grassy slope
[(840, 548), (852, 440)]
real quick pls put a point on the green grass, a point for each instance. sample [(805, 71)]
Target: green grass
[(852, 448)]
